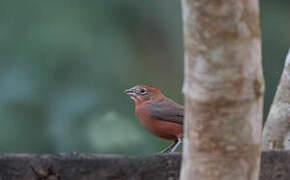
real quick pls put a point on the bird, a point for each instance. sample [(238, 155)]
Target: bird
[(158, 114)]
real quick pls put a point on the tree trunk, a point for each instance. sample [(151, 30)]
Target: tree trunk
[(223, 89), (276, 134)]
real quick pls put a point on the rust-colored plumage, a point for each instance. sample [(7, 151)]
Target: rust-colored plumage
[(158, 114)]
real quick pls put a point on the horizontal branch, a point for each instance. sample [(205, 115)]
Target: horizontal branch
[(275, 165), (74, 166)]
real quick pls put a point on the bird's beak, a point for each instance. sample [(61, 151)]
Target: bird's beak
[(130, 92)]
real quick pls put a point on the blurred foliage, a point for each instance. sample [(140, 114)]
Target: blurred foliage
[(64, 66)]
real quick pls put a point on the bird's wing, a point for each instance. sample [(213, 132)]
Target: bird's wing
[(167, 110)]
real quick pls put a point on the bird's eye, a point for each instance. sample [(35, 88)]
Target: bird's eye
[(143, 91)]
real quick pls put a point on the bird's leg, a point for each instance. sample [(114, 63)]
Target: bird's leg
[(166, 150), (177, 143)]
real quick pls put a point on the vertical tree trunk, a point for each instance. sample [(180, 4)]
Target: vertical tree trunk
[(223, 89), (276, 134)]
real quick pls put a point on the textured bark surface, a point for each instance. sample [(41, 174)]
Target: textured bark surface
[(276, 133), (275, 166), (223, 89), (88, 167)]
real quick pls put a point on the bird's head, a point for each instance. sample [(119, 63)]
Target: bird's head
[(142, 93)]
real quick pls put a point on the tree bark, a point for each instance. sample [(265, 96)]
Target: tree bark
[(223, 90), (74, 166), (276, 133)]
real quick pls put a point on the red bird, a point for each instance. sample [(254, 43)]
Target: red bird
[(160, 115)]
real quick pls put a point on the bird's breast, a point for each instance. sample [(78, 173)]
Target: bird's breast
[(163, 129)]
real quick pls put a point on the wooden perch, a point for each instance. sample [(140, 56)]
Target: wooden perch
[(275, 166), (276, 133), (223, 90), (88, 167)]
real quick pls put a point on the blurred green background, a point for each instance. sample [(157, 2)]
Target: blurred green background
[(64, 66)]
